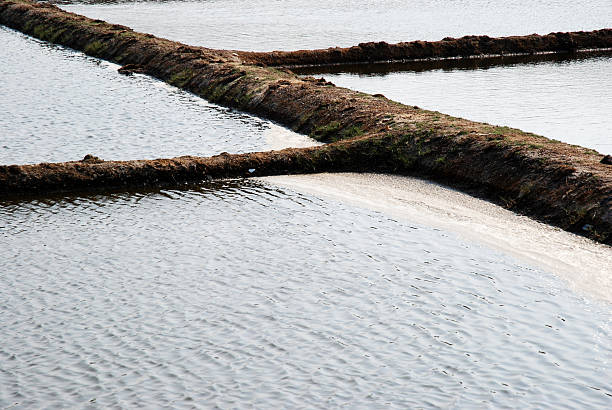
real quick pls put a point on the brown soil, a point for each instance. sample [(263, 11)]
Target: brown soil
[(564, 185), (449, 47)]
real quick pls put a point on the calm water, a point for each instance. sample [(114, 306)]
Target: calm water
[(298, 24), (565, 100), (172, 298), (59, 105), (243, 294)]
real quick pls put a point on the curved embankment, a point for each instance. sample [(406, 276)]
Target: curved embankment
[(564, 185)]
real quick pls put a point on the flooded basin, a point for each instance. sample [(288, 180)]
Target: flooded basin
[(270, 293)]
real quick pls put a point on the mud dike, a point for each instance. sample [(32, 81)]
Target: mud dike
[(561, 184)]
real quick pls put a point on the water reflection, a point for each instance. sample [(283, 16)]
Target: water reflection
[(477, 63)]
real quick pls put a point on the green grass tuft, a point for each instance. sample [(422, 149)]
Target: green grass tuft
[(95, 48), (326, 132)]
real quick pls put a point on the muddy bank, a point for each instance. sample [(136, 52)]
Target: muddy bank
[(564, 185), (468, 46), (480, 63)]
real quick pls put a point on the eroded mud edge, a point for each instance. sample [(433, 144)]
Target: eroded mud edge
[(561, 184)]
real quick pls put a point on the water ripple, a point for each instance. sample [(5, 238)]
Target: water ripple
[(147, 300)]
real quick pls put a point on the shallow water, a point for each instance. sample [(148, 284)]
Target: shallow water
[(172, 298), (59, 105), (296, 24)]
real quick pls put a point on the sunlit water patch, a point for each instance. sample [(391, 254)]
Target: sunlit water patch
[(172, 298), (59, 105), (297, 24)]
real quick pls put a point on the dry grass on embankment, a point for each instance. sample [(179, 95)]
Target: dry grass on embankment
[(564, 185)]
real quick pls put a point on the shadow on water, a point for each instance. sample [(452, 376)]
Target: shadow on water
[(225, 190), (477, 63), (206, 188)]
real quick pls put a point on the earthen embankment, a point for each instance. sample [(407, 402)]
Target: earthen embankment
[(561, 184), (468, 46)]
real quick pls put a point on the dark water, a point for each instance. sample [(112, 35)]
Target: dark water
[(242, 294), (59, 105), (172, 298)]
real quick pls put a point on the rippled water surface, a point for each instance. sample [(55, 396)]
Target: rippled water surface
[(172, 298), (297, 24), (59, 105)]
